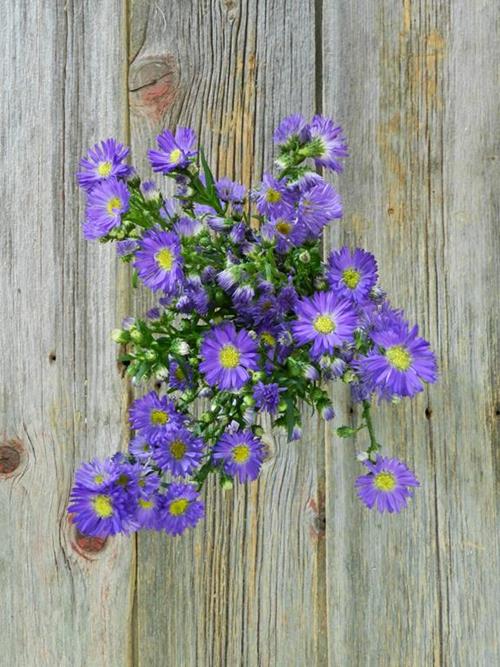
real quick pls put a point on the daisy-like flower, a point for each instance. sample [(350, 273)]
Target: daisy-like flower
[(140, 448), (126, 247), (180, 452), (181, 508), (187, 227), (267, 396), (318, 206), (241, 454), (148, 512), (352, 275), (179, 377), (107, 202), (325, 321), (273, 198), (154, 417), (230, 191), (399, 364), (287, 232), (228, 356), (327, 143), (291, 127), (158, 261), (102, 162), (387, 485), (95, 475), (100, 512), (176, 152)]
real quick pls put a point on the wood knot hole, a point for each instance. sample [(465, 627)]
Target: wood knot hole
[(52, 357), (10, 458), (428, 413), (87, 544)]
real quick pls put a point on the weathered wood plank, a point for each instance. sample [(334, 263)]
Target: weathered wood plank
[(243, 589), (415, 85), (60, 395)]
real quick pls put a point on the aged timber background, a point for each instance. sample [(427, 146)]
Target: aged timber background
[(289, 571)]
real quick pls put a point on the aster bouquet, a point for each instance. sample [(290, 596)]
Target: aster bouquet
[(249, 317)]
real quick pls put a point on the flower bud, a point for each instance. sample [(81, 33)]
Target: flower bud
[(305, 257), (120, 336), (328, 412), (136, 336), (362, 456), (226, 483)]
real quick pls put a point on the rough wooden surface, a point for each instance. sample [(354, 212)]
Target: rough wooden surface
[(290, 570)]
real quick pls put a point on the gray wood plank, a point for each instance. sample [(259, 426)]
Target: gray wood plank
[(64, 601), (415, 85), (244, 587)]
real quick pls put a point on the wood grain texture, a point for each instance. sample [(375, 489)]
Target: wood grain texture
[(418, 104), (64, 602), (244, 587)]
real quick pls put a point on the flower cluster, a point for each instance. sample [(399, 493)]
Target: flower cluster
[(249, 318)]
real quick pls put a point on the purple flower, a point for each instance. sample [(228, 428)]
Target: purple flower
[(148, 512), (273, 198), (230, 191), (187, 227), (175, 152), (95, 475), (327, 143), (327, 412), (180, 452), (241, 453), (228, 355), (267, 396), (103, 162), (399, 364), (387, 485), (149, 191), (179, 377), (287, 232), (318, 206), (140, 448), (291, 127), (324, 320), (107, 202), (352, 275), (154, 417), (181, 508), (126, 247), (159, 261)]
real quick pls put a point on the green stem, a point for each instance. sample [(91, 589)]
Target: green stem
[(374, 446)]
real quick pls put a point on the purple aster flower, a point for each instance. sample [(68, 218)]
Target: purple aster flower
[(399, 364), (176, 152), (149, 191), (228, 355), (273, 198), (318, 206), (387, 485), (291, 127), (241, 454), (126, 247), (327, 143), (179, 377), (100, 512), (311, 373), (327, 412), (296, 433), (230, 191), (352, 275), (288, 297), (107, 202), (181, 508), (267, 396), (180, 452), (171, 209), (148, 512), (154, 417), (238, 232), (140, 448), (187, 227), (324, 320), (287, 232), (95, 475), (159, 261), (104, 161)]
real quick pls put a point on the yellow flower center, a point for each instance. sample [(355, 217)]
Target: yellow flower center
[(177, 449), (102, 506), (179, 373), (99, 479), (104, 169), (165, 259), (384, 481), (145, 504), (273, 196), (324, 324), (351, 278), (113, 205), (269, 339), (175, 155), (399, 357), (229, 356), (284, 227), (178, 507), (241, 453), (159, 417)]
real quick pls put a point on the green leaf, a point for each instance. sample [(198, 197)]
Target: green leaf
[(346, 431), (209, 178), (289, 417), (135, 279)]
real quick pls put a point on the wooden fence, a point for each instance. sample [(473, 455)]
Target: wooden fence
[(291, 570)]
